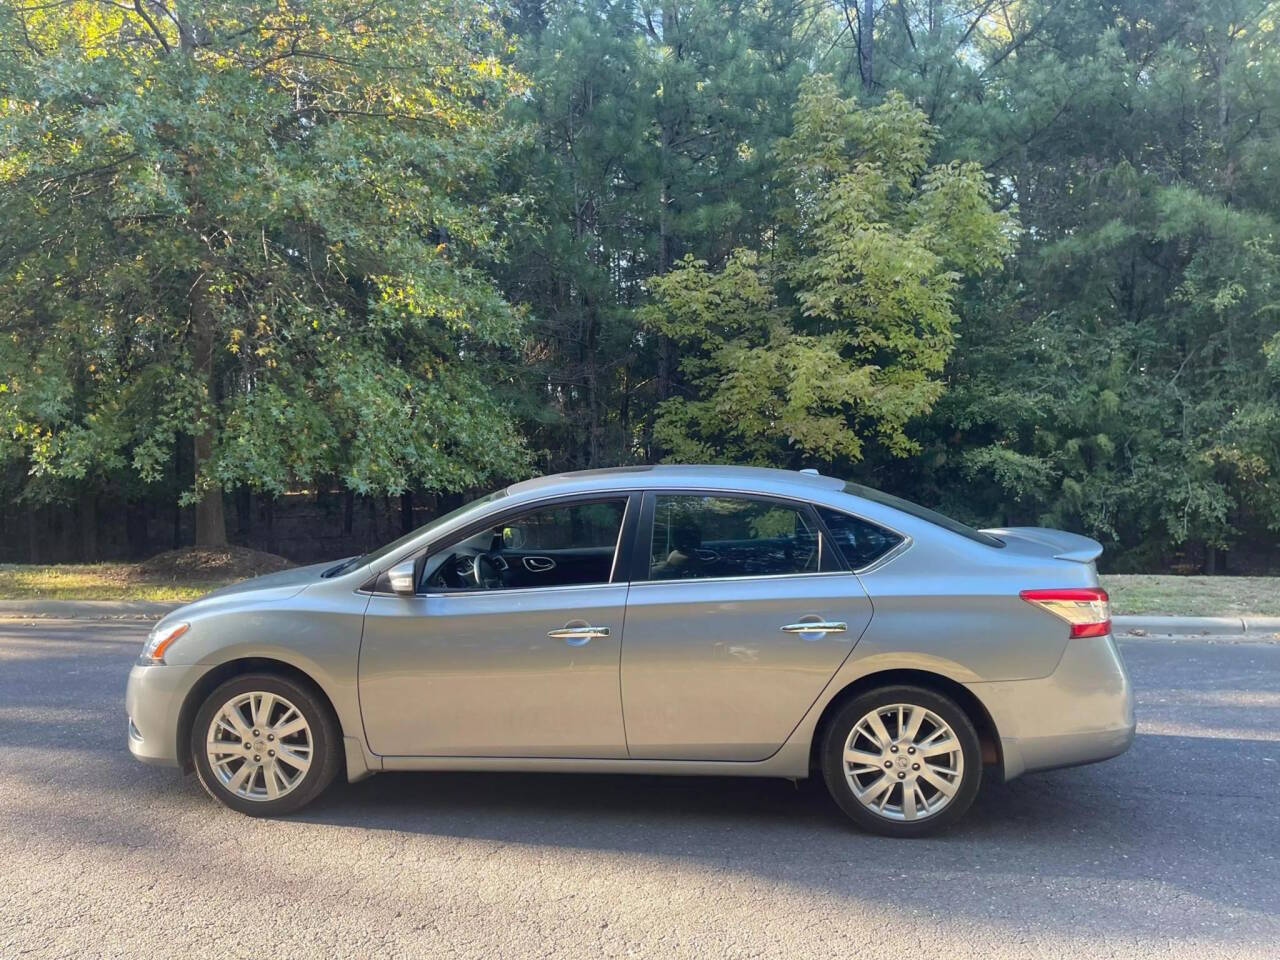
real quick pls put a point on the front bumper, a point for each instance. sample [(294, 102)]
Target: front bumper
[(1080, 713), (153, 700)]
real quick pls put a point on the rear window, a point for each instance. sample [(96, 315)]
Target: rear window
[(923, 513)]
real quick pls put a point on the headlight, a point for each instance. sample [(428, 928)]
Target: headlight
[(160, 639)]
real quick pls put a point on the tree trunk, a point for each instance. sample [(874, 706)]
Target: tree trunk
[(177, 504), (33, 534), (88, 526), (244, 511), (866, 44), (136, 530), (271, 523), (406, 511), (211, 520), (669, 129)]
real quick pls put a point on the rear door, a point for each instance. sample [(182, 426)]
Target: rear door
[(740, 610)]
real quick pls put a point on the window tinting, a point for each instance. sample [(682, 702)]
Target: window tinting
[(571, 543), (697, 537), (922, 513), (861, 542), (579, 526)]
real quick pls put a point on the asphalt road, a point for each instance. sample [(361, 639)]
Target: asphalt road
[(1169, 851)]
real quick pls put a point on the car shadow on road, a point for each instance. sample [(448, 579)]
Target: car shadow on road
[(1111, 822)]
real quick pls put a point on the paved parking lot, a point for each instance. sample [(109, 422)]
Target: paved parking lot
[(1172, 850)]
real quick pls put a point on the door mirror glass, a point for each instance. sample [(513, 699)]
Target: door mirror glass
[(401, 579)]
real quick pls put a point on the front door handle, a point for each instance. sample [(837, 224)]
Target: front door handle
[(816, 626), (578, 636)]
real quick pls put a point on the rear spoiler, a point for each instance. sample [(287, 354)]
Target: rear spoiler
[(1062, 545)]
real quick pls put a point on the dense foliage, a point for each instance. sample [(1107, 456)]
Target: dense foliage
[(258, 226), (1014, 258)]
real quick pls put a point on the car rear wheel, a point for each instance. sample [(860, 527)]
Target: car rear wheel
[(902, 761), (264, 745)]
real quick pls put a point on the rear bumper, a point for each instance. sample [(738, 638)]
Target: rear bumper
[(153, 701), (1080, 713)]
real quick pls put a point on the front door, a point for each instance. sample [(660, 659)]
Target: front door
[(511, 648), (737, 619)]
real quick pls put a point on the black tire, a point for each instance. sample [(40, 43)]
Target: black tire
[(325, 758), (838, 730)]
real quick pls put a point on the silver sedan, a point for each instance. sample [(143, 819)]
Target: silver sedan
[(661, 620)]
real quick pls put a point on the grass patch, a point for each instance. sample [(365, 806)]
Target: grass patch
[(183, 574), (1193, 596), (97, 581)]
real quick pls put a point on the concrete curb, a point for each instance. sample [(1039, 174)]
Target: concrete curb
[(1148, 626), (85, 609)]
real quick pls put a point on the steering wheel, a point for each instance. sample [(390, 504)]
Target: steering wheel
[(485, 572)]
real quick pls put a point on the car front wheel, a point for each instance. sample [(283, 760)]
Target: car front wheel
[(264, 745), (902, 761)]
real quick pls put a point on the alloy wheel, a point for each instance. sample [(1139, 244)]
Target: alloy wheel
[(903, 762), (259, 746)]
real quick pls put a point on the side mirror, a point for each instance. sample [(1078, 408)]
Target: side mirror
[(401, 579), (513, 538)]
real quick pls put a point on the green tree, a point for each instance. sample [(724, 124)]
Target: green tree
[(653, 130), (262, 227), (1117, 379), (840, 335)]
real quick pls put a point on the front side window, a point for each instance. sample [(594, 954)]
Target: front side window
[(718, 536), (556, 546), (861, 542)]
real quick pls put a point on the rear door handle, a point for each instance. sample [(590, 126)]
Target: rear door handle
[(816, 626), (578, 636)]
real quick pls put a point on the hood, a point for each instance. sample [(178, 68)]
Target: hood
[(269, 588), (1044, 542)]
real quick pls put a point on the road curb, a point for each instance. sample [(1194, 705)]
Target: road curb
[(1148, 626), (86, 609)]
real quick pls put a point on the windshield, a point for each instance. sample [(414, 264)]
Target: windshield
[(395, 545), (923, 513)]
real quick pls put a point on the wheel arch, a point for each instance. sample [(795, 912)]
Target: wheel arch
[(988, 735), (220, 674)]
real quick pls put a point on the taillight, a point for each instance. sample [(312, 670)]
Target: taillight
[(1086, 609)]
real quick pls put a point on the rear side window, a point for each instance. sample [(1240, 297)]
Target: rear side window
[(861, 542), (698, 537), (923, 513)]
